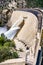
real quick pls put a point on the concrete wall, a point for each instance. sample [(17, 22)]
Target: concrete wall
[(19, 61)]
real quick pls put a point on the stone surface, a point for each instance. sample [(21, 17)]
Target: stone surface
[(19, 61)]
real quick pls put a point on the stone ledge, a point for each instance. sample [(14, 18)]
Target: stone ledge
[(19, 61)]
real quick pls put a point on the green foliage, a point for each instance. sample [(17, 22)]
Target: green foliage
[(15, 55), (6, 42), (34, 3), (6, 53), (10, 44), (7, 49), (2, 40)]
